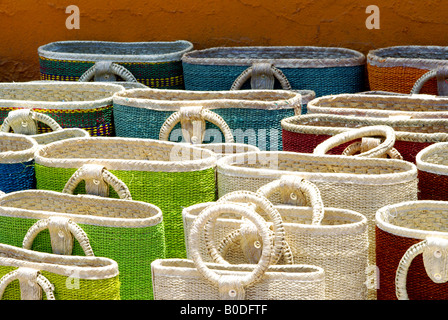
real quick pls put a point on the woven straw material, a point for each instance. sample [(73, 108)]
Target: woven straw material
[(253, 116), (397, 69), (154, 64), (71, 105), (322, 70), (398, 227), (166, 174), (17, 162), (129, 232), (339, 245), (72, 277)]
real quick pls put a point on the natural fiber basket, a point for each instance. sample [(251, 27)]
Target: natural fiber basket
[(411, 242), (225, 149), (312, 234), (71, 105), (127, 231), (154, 64), (305, 133), (251, 117), (325, 70), (17, 162), (56, 277), (198, 280), (408, 69), (167, 174)]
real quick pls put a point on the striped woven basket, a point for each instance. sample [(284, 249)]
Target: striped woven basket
[(325, 70), (408, 69), (251, 117), (71, 105), (412, 249), (126, 231), (198, 280), (311, 234), (154, 64), (166, 174), (46, 276), (17, 162)]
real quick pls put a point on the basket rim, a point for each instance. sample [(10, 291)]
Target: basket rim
[(424, 165), (185, 46), (18, 156), (64, 133), (86, 267), (357, 58)]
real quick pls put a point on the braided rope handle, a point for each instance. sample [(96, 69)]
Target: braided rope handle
[(267, 72), (341, 138), (239, 281), (41, 280), (358, 146), (441, 73), (107, 70), (23, 121), (97, 180), (190, 116), (71, 228), (296, 184)]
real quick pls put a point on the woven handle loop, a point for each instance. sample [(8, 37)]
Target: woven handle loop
[(192, 121), (440, 73), (262, 77), (289, 186), (241, 281), (106, 71), (28, 279), (97, 180), (350, 135), (23, 121), (367, 144), (62, 231)]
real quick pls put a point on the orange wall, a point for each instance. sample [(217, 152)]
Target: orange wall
[(27, 24)]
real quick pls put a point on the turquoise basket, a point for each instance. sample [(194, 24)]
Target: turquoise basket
[(248, 116), (324, 70)]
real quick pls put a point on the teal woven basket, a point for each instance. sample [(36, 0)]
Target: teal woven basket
[(154, 64), (244, 116), (324, 70), (168, 175)]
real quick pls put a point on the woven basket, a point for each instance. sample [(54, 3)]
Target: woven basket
[(225, 149), (56, 277), (154, 64), (408, 69), (323, 70), (312, 234), (129, 232), (167, 174), (253, 117), (71, 105), (411, 242), (198, 280), (305, 133), (17, 162)]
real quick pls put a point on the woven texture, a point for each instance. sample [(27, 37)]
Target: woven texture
[(17, 176)]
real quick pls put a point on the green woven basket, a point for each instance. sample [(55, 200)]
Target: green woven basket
[(31, 275), (168, 175)]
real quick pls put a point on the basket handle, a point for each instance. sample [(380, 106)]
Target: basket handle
[(262, 76), (97, 180), (346, 136), (192, 120), (62, 230), (230, 286), (106, 71), (32, 282), (23, 121), (435, 259), (440, 73)]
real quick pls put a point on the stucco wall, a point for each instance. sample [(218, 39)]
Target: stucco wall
[(27, 24)]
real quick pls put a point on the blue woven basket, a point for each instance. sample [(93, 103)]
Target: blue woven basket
[(17, 162), (252, 116), (324, 70)]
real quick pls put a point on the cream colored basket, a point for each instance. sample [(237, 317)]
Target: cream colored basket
[(198, 280)]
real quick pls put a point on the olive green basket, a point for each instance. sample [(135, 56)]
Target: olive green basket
[(169, 175), (31, 275)]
